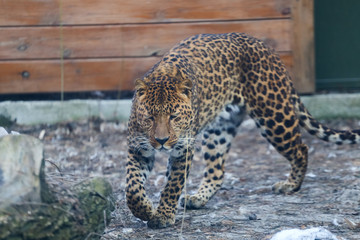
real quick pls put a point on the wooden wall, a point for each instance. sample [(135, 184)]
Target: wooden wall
[(107, 44)]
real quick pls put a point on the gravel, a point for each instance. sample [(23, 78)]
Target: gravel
[(244, 208)]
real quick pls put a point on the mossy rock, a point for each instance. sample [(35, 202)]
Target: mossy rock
[(6, 121), (82, 216)]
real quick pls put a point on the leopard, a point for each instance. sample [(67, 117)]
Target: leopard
[(206, 85)]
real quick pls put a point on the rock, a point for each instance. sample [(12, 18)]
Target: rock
[(30, 208), (252, 216), (5, 119), (81, 214), (318, 233), (96, 202), (20, 169), (3, 132)]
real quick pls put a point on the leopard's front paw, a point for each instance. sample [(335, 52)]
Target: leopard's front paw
[(160, 221), (193, 201), (285, 187)]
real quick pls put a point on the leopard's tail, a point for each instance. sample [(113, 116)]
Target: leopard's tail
[(315, 128)]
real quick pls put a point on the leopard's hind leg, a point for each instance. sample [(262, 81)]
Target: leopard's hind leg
[(215, 146), (282, 130)]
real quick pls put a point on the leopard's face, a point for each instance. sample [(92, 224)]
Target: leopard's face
[(164, 111)]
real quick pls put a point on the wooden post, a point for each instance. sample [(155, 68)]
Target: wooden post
[(303, 45)]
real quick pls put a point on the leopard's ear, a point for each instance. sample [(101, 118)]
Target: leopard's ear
[(184, 83), (185, 87), (140, 86)]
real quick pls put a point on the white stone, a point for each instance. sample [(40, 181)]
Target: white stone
[(3, 132), (20, 166), (318, 233)]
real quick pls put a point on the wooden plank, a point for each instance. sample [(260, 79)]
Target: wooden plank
[(288, 59), (303, 45), (80, 75), (127, 40), (83, 12)]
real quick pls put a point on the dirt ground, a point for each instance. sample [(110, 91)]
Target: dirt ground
[(244, 208)]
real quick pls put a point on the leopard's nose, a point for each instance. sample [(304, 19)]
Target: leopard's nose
[(162, 141)]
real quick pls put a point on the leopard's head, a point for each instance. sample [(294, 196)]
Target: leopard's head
[(164, 111)]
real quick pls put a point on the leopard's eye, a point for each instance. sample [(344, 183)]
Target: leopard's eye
[(172, 117), (149, 120)]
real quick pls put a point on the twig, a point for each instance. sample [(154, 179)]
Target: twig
[(185, 181), (52, 163), (105, 223)]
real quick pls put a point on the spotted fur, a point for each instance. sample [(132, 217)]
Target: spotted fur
[(208, 83)]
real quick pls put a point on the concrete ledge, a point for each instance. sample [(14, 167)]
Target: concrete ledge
[(37, 112), (28, 113), (332, 106)]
